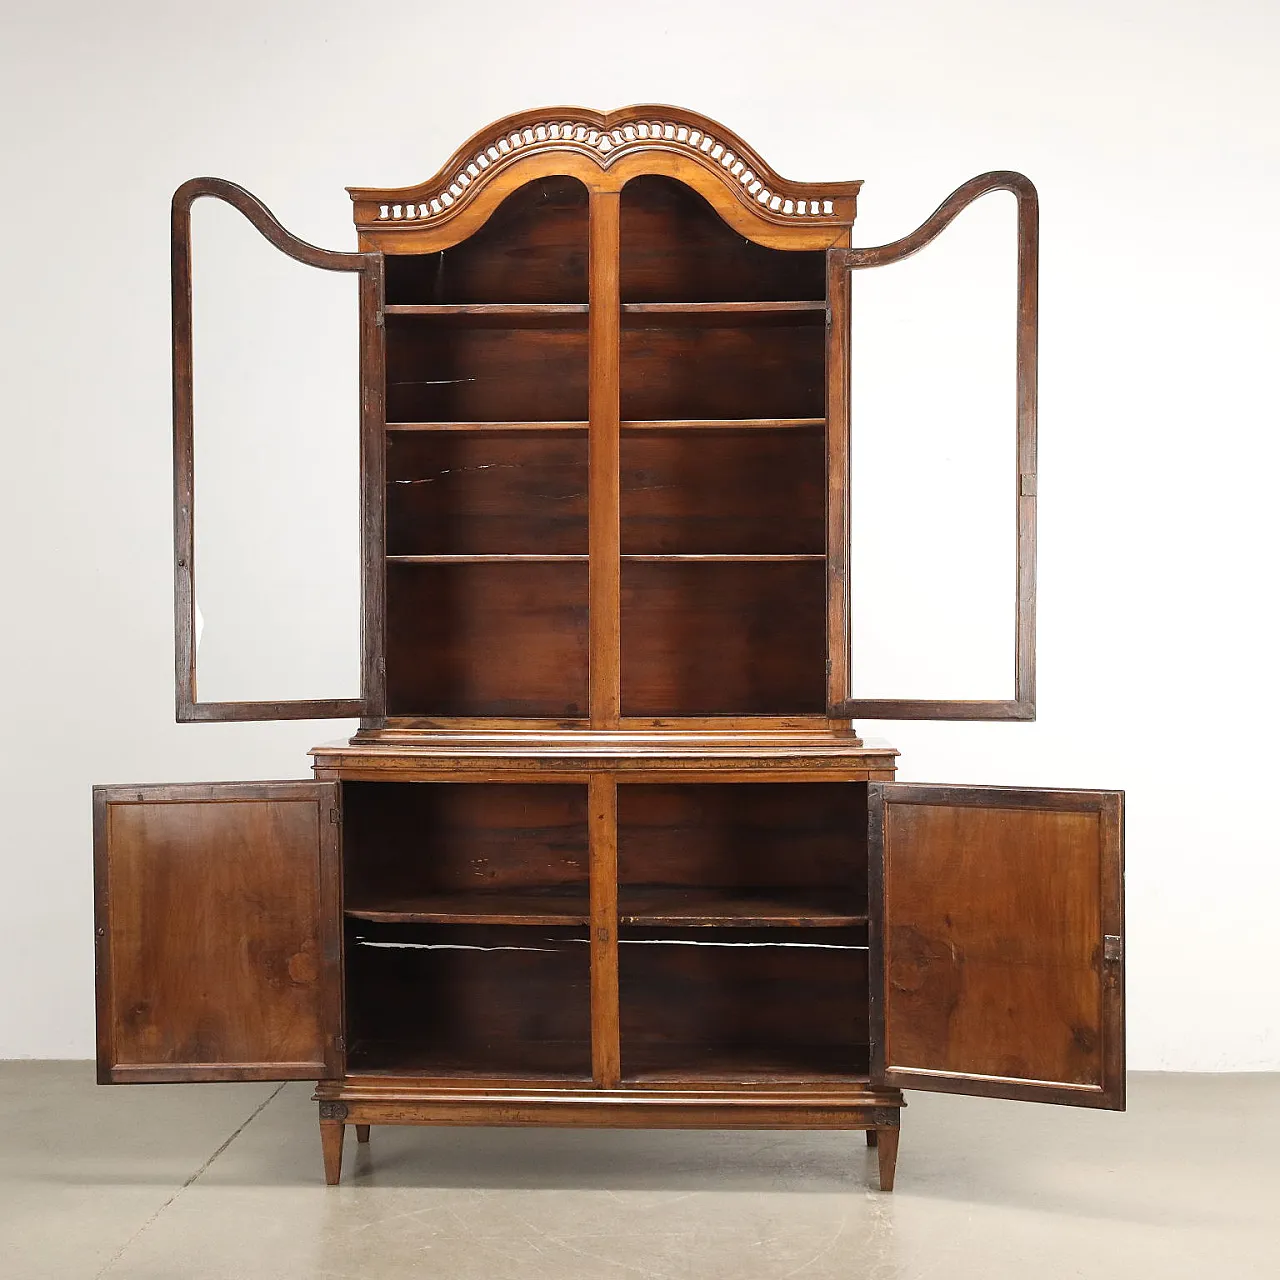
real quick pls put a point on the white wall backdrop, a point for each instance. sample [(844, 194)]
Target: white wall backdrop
[(1153, 132)]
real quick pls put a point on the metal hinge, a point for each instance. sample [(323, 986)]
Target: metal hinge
[(340, 1043), (1027, 484), (334, 815), (1112, 949)]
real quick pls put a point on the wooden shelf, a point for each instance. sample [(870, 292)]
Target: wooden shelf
[(497, 315), (731, 558), (675, 1063), (681, 905), (487, 558), (721, 424), (563, 904), (487, 426), (735, 314)]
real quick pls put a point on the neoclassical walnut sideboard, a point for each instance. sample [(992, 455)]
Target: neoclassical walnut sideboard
[(606, 849)]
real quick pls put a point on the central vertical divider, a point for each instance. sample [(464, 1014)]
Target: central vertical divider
[(604, 449), (602, 836)]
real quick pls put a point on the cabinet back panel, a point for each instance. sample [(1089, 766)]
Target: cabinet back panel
[(468, 999), (403, 837), (745, 835), (532, 249), (438, 372), (676, 248), (487, 492), (753, 1008), (716, 638), (751, 371), (487, 639), (721, 491)]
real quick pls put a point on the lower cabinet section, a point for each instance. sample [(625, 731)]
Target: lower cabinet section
[(469, 1001), (687, 950)]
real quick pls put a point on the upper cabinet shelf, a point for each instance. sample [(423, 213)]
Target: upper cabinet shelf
[(496, 315), (732, 314)]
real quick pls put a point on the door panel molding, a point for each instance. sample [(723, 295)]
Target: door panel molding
[(218, 931), (997, 927)]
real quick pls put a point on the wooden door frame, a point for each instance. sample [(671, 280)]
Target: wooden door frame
[(369, 266), (841, 263)]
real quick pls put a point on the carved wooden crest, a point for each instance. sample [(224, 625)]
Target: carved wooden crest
[(606, 138)]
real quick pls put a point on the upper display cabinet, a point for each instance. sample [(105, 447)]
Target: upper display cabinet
[(605, 438)]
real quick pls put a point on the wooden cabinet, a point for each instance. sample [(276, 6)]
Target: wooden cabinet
[(606, 848)]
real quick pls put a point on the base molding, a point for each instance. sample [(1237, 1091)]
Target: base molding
[(363, 1101)]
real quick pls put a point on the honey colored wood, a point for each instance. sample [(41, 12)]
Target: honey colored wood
[(997, 941), (217, 946), (332, 1133), (603, 817), (604, 150)]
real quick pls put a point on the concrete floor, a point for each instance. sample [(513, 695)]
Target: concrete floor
[(190, 1182)]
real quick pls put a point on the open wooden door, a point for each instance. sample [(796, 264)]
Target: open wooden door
[(997, 942), (218, 931), (369, 269)]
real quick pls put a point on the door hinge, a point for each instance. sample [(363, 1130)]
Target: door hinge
[(1027, 484), (1112, 949), (334, 816), (340, 1043)]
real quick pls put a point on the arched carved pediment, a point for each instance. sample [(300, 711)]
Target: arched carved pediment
[(605, 138)]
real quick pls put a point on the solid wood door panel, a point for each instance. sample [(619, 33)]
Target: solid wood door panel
[(218, 931), (997, 936)]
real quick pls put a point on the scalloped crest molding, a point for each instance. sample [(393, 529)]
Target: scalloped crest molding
[(604, 138)]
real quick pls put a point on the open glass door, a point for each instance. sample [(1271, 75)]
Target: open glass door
[(932, 519), (997, 942), (279, 493), (218, 931)]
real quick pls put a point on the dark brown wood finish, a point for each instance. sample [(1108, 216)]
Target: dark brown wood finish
[(1023, 704), (496, 492), (487, 639), (607, 851), (737, 638), (217, 939), (687, 491), (370, 267), (997, 942)]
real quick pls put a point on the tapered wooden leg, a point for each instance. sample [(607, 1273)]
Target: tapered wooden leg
[(871, 1137), (331, 1134), (887, 1150), (362, 1133)]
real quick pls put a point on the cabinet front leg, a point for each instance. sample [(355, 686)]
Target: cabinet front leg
[(887, 1151), (332, 1132)]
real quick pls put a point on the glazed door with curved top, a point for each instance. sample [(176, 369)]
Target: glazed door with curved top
[(932, 409), (277, 466)]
